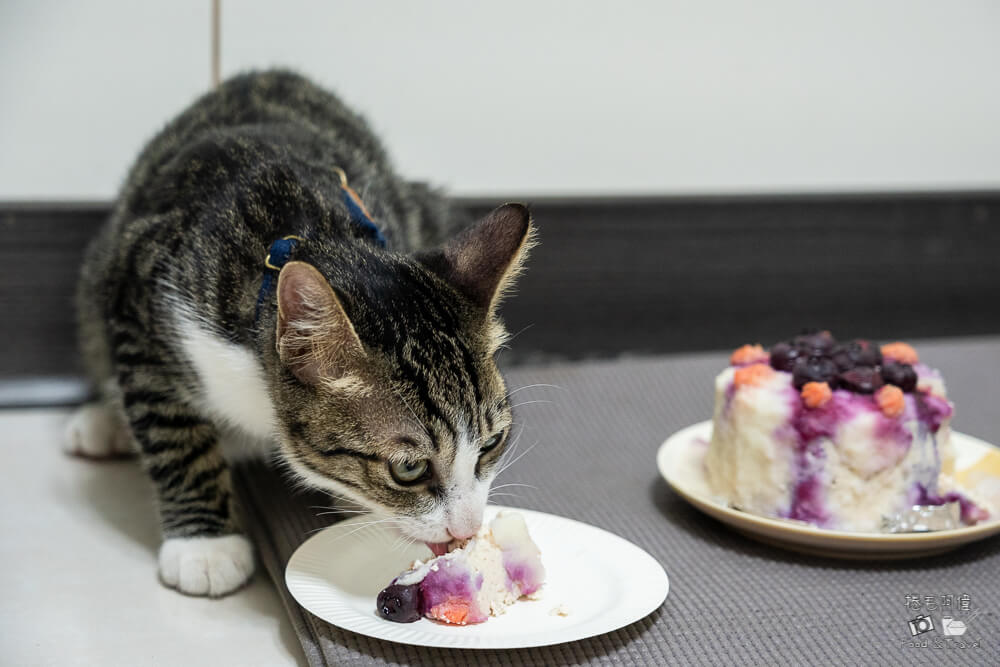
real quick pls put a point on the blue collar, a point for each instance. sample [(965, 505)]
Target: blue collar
[(281, 250)]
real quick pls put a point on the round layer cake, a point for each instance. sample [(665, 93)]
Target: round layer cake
[(838, 435)]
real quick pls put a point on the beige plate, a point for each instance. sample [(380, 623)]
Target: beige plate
[(977, 467)]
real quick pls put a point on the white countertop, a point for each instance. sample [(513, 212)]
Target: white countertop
[(78, 569)]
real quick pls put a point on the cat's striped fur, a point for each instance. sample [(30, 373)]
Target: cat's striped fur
[(361, 357)]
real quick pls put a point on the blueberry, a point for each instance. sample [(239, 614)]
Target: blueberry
[(812, 369), (901, 375), (399, 603), (820, 342), (864, 353), (783, 356), (842, 359), (861, 380)]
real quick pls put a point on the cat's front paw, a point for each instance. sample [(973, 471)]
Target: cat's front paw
[(211, 566), (95, 431)]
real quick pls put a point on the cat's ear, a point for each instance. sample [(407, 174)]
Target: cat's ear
[(315, 338), (482, 261)]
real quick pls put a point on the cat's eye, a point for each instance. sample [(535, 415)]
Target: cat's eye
[(409, 472), (492, 443)]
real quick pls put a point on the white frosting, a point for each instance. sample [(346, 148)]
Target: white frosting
[(750, 460)]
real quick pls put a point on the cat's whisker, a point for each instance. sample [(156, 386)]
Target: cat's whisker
[(367, 524), (539, 400), (403, 542), (340, 512), (530, 486), (512, 448), (397, 542), (513, 336), (512, 495), (532, 386), (520, 431), (336, 507), (519, 457), (342, 497)]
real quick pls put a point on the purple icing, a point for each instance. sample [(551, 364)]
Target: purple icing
[(812, 423), (971, 512), (521, 572), (808, 499), (452, 580), (730, 392), (932, 410), (809, 426)]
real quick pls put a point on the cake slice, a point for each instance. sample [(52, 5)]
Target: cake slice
[(477, 578)]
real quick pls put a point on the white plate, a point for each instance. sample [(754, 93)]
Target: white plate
[(977, 466), (605, 582)]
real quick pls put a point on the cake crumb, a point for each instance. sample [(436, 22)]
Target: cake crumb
[(559, 610)]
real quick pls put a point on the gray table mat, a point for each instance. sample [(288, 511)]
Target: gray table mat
[(732, 600)]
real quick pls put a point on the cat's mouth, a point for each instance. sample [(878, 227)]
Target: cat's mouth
[(438, 548)]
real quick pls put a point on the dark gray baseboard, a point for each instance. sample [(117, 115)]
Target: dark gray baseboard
[(634, 275)]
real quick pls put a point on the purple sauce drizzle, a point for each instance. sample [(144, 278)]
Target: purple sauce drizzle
[(811, 425), (730, 392), (932, 410), (808, 499), (971, 512)]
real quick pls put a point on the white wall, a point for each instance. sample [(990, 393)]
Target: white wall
[(528, 97)]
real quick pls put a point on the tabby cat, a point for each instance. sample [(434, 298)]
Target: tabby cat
[(362, 357)]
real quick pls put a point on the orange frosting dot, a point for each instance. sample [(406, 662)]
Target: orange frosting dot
[(890, 400), (754, 374), (901, 352), (749, 354), (816, 394)]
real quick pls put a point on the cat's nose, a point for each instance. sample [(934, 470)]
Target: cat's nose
[(462, 533), (465, 525), (464, 518)]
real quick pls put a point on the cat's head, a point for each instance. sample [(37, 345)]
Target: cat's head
[(389, 392)]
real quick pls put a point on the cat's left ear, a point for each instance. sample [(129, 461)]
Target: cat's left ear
[(315, 337), (483, 261)]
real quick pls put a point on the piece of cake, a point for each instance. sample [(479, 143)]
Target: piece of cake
[(477, 578), (839, 435)]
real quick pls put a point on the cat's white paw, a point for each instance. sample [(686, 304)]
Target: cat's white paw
[(96, 431), (211, 566)]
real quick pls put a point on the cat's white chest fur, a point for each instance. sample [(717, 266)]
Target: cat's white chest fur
[(233, 387)]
